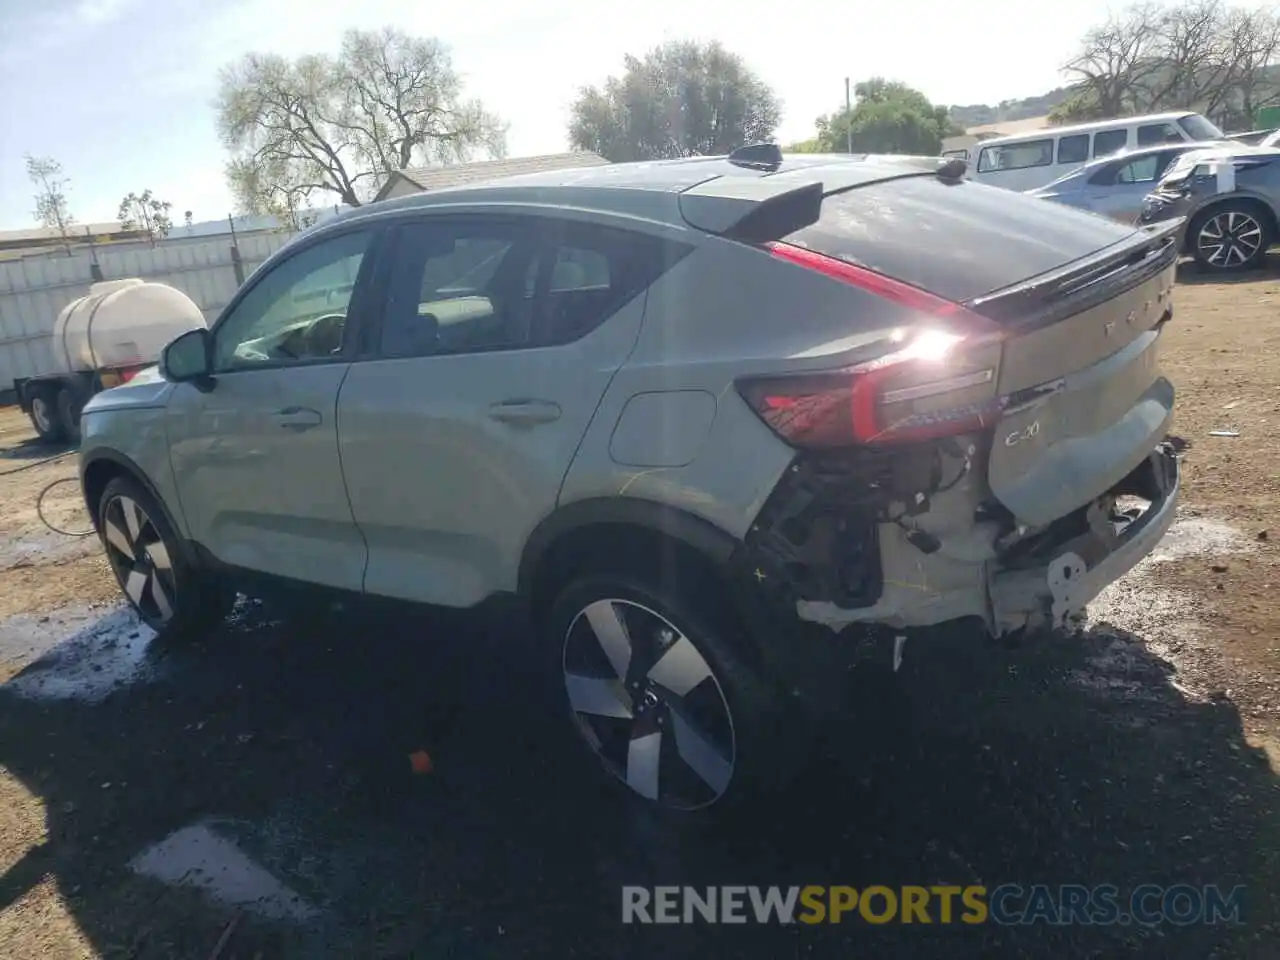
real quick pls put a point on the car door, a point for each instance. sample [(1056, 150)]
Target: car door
[(255, 452), (497, 340), (1118, 189)]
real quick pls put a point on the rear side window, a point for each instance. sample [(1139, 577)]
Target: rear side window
[(1151, 134), (585, 273), (1107, 142), (1074, 149), (1016, 156), (1143, 170), (958, 241)]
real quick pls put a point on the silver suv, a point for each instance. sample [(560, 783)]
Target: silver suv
[(701, 416)]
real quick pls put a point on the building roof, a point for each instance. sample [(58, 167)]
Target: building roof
[(460, 174)]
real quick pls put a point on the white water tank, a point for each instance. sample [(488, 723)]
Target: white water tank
[(121, 323)]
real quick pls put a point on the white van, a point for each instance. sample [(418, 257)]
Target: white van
[(1032, 160)]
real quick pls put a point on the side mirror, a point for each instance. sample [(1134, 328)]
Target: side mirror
[(188, 358)]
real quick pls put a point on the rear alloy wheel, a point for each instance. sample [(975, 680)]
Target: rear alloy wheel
[(654, 681), (1231, 237), (45, 419), (169, 595)]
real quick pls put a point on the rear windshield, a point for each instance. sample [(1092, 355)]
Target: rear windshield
[(957, 240)]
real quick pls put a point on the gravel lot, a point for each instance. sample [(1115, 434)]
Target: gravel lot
[(255, 799)]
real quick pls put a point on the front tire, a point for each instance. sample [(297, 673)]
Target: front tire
[(1231, 236), (169, 594), (651, 679)]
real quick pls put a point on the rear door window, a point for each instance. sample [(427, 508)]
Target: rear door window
[(1074, 149), (1107, 142), (1150, 134), (1142, 170), (1016, 156), (959, 240)]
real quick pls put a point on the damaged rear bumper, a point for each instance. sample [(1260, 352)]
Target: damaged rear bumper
[(1054, 594)]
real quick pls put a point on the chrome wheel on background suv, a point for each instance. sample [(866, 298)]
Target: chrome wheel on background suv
[(648, 703), (1230, 238)]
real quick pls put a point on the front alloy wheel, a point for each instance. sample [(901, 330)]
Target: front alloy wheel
[(140, 560), (648, 703), (1230, 240)]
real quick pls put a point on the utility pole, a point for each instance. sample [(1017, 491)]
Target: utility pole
[(848, 118)]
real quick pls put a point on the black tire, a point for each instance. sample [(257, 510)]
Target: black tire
[(146, 551), (1230, 237), (69, 406), (697, 615), (44, 416)]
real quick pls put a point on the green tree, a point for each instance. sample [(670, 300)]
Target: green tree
[(145, 212), (51, 197), (887, 117), (342, 124), (682, 99)]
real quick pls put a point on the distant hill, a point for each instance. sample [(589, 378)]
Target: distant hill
[(978, 114)]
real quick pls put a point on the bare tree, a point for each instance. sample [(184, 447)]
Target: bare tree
[(340, 125), (1197, 55), (51, 198), (1252, 44), (1116, 57)]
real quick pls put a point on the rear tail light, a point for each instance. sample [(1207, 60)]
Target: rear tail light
[(940, 381)]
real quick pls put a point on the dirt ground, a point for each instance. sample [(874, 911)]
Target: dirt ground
[(1144, 750)]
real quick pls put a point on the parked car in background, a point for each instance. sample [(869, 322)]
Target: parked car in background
[(1116, 186), (1032, 160), (700, 415), (1227, 199)]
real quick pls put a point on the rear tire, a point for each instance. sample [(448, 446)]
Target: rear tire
[(44, 416), (154, 570), (69, 407), (1230, 237), (648, 674)]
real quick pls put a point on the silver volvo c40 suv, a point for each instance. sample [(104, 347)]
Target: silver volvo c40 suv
[(714, 420)]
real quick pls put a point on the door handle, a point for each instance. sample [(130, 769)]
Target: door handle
[(297, 418), (525, 411)]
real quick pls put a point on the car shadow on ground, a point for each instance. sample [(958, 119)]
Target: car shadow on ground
[(31, 449), (1189, 272), (1073, 761)]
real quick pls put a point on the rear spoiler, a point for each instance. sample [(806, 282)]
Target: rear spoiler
[(752, 209), (759, 209), (1085, 282)]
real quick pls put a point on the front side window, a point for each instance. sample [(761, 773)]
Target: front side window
[(1016, 156), (1107, 142), (1199, 128), (297, 312), (1139, 171), (1074, 149), (1153, 133)]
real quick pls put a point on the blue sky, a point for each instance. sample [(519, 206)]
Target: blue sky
[(119, 90)]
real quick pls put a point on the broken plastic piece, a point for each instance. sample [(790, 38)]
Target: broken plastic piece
[(1224, 433), (420, 762)]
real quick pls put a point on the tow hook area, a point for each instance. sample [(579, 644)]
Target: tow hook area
[(1109, 540)]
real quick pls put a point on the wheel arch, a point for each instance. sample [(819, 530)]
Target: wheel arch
[(100, 467), (615, 523), (1239, 196)]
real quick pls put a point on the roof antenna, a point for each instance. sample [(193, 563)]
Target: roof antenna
[(758, 156)]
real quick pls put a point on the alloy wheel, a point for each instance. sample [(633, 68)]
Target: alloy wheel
[(649, 704), (140, 559), (1229, 239), (42, 413)]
